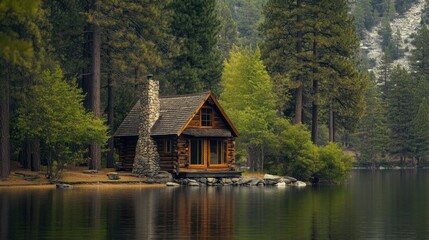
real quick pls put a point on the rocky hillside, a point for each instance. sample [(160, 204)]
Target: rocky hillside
[(407, 24)]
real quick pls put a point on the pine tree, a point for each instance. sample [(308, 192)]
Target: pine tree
[(228, 31), (286, 50), (198, 65), (372, 132), (384, 72), (247, 15), (400, 112), (420, 55), (19, 35), (420, 132)]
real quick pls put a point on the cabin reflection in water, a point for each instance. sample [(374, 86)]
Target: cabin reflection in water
[(198, 212), (117, 212)]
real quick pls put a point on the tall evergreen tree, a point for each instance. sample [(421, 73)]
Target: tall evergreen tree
[(198, 65), (228, 31), (420, 55), (372, 133), (420, 132), (384, 71), (19, 34), (136, 42), (317, 45), (401, 111), (286, 49), (92, 75), (247, 15)]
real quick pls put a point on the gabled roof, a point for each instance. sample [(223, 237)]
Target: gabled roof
[(176, 112)]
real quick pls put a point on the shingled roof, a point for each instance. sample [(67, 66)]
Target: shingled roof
[(175, 113)]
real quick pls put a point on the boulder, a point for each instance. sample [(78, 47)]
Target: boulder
[(299, 184), (270, 182), (211, 180), (281, 184), (113, 176), (64, 186), (90, 171), (255, 181), (290, 178), (285, 180), (163, 177), (271, 177), (235, 180), (203, 180), (245, 180), (193, 184), (226, 180), (172, 184)]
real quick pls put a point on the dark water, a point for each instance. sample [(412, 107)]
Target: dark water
[(373, 205)]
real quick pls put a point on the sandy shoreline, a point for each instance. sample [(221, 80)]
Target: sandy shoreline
[(20, 178)]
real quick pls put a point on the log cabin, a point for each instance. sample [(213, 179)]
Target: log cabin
[(194, 137)]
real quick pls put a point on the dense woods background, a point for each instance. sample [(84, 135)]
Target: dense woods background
[(291, 75)]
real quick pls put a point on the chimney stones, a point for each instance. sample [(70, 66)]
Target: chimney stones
[(146, 161)]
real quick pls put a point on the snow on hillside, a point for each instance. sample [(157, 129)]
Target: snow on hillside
[(407, 25)]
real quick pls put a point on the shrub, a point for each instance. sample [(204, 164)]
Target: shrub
[(334, 165)]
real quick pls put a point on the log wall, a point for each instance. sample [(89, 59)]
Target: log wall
[(127, 151), (167, 161)]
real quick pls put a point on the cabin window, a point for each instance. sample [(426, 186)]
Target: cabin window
[(217, 152), (168, 146), (206, 117), (197, 152)]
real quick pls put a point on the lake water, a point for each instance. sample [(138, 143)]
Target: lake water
[(373, 205)]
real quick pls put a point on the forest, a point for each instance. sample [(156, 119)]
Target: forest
[(290, 74)]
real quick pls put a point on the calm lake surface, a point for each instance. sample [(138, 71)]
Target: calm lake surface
[(373, 205)]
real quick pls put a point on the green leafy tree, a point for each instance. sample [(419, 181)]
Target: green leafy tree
[(54, 114), (249, 101), (334, 165), (198, 64), (293, 153)]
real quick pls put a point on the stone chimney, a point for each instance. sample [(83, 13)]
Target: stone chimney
[(153, 105), (146, 161)]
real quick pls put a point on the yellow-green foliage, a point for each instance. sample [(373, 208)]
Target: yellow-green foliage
[(295, 153), (334, 165), (53, 112), (248, 98)]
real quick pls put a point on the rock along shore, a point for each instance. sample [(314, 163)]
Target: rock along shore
[(266, 180)]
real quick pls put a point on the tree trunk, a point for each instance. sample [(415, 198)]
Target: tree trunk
[(299, 91), (298, 105), (331, 124), (35, 159), (315, 103), (110, 116), (94, 88), (4, 129)]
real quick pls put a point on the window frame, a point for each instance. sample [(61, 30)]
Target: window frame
[(211, 117)]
